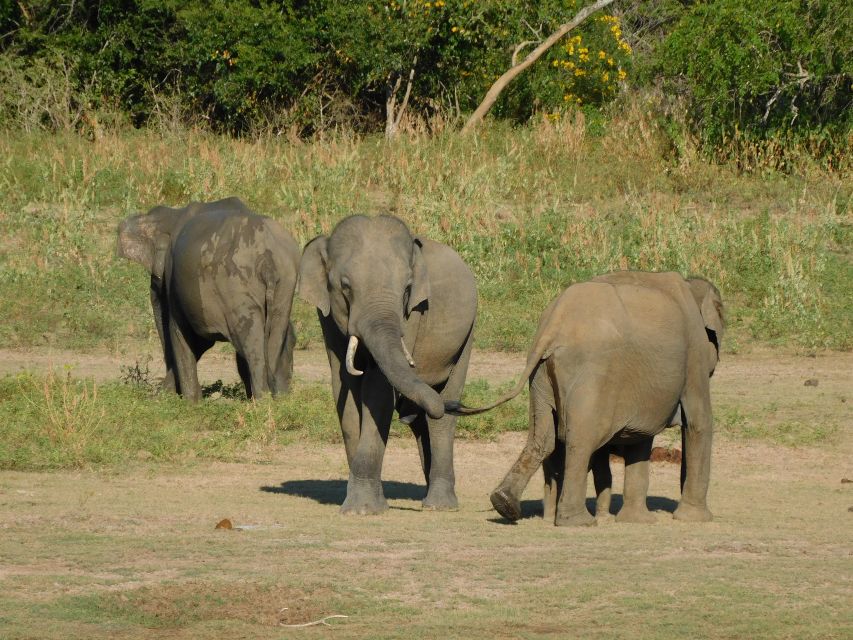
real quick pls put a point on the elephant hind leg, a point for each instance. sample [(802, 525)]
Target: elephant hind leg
[(603, 479), (420, 429), (636, 489), (552, 470), (249, 343), (541, 442), (586, 420), (243, 370)]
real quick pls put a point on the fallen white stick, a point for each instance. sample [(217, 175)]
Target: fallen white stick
[(310, 624)]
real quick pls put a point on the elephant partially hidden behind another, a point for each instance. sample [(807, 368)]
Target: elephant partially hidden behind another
[(397, 314), (219, 272), (612, 360)]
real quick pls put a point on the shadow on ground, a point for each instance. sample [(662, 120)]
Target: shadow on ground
[(533, 508), (334, 491)]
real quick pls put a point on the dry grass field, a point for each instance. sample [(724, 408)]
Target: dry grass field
[(131, 551)]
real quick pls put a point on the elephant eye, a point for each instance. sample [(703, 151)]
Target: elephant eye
[(345, 285)]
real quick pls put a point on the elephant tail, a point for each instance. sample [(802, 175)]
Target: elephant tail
[(459, 409)]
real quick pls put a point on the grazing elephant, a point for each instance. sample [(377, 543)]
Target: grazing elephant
[(397, 314), (218, 272), (612, 360)]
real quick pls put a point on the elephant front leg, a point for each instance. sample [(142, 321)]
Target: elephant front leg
[(186, 354), (437, 459), (696, 454), (636, 488), (364, 488), (161, 321), (346, 389), (437, 448)]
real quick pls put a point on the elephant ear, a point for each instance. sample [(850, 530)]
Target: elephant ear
[(138, 243), (147, 238), (131, 244), (313, 276), (711, 307), (419, 293)]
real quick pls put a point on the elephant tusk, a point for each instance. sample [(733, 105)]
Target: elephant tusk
[(407, 354), (351, 347)]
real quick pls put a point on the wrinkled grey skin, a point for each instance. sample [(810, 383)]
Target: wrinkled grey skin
[(612, 360), (371, 279), (219, 272)]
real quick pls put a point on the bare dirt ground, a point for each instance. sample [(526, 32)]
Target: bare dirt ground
[(218, 364), (133, 553)]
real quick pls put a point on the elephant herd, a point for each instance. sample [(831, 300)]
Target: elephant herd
[(614, 360)]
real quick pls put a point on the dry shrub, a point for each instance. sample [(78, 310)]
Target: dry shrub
[(563, 134)]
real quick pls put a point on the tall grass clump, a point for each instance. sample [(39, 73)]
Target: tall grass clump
[(57, 421)]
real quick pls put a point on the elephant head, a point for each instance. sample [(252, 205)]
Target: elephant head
[(369, 275), (145, 239), (710, 304)]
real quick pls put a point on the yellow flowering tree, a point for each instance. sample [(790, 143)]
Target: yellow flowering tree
[(593, 64)]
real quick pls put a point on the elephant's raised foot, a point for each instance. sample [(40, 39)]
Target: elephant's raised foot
[(635, 514), (440, 497), (506, 504), (364, 498), (582, 518), (692, 513)]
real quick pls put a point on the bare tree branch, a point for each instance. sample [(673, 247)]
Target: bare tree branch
[(514, 71), (518, 49), (393, 117)]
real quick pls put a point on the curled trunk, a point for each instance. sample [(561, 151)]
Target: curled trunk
[(387, 350)]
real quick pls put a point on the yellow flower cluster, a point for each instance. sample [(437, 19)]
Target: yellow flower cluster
[(616, 30), (225, 55), (592, 75)]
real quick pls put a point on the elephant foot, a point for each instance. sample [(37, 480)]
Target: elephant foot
[(580, 519), (692, 513), (364, 498), (440, 496), (506, 504), (638, 514), (602, 508)]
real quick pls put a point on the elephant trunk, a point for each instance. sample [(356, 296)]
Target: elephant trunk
[(382, 337)]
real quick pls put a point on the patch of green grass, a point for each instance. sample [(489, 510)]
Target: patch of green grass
[(734, 423), (186, 604), (57, 421), (510, 416)]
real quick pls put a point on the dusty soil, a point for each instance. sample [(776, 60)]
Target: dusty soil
[(134, 553), (218, 364)]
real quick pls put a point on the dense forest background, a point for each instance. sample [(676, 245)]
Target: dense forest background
[(728, 72)]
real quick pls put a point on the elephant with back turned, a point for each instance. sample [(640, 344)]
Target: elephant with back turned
[(612, 361), (397, 314), (219, 272)]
